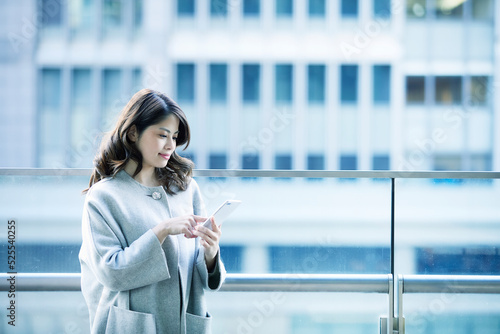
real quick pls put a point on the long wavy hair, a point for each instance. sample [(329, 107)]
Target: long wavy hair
[(147, 107)]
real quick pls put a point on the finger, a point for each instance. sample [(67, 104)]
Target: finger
[(216, 228), (199, 219)]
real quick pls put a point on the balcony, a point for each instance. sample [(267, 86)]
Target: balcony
[(308, 251)]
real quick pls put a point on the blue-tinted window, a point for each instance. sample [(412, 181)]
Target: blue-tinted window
[(415, 90), (349, 83), (381, 162), (185, 7), (45, 258), (251, 7), (185, 82), (51, 89), (218, 83), (218, 7), (317, 8), (112, 14), (284, 8), (316, 162), (458, 261), (329, 260), (316, 83), (382, 8), (251, 83), (51, 13), (349, 8), (283, 161), (217, 161), (283, 83), (250, 161), (348, 162), (381, 83), (51, 132), (232, 257)]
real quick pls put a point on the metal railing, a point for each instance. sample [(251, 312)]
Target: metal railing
[(384, 284), (234, 282)]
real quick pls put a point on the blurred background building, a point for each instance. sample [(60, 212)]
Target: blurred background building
[(271, 84)]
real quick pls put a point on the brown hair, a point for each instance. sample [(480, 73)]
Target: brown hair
[(147, 107)]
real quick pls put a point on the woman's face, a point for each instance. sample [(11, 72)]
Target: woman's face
[(158, 142)]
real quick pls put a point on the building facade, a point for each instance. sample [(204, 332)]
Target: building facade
[(401, 85)]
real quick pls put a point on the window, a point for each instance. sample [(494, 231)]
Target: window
[(448, 90), (218, 8), (316, 84), (380, 162), (482, 9), (458, 261), (283, 83), (329, 260), (185, 7), (284, 8), (137, 83), (111, 93), (479, 90), (46, 258), (81, 16), (317, 8), (449, 162), (382, 8), (51, 126), (416, 9), (251, 8), (185, 82), (112, 15), (449, 9), (82, 121), (51, 13), (250, 161), (348, 162), (138, 13), (381, 83), (415, 90), (349, 8), (481, 162), (251, 83), (217, 161), (232, 256), (218, 83), (283, 161), (349, 83), (316, 162)]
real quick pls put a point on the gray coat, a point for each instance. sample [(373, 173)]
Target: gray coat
[(131, 282)]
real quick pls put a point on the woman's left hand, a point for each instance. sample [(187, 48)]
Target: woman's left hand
[(209, 241)]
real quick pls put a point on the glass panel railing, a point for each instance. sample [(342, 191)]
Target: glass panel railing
[(301, 224), (448, 227)]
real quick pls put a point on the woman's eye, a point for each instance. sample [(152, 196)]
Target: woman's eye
[(163, 136), (175, 138)]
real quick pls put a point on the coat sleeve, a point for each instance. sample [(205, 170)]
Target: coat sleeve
[(115, 264), (213, 280)]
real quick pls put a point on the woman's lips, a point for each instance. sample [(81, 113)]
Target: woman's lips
[(165, 156)]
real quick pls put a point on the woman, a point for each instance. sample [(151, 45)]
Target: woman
[(145, 258)]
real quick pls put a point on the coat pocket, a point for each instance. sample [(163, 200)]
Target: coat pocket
[(196, 324), (122, 321)]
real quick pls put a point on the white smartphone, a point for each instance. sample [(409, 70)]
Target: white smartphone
[(222, 212)]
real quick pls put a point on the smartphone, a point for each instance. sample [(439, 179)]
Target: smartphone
[(222, 212)]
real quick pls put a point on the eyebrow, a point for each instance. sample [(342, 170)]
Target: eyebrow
[(165, 129)]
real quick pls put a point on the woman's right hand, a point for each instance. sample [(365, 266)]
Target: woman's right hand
[(177, 225)]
